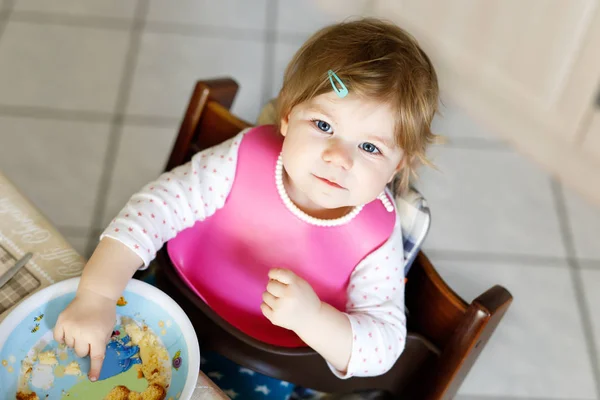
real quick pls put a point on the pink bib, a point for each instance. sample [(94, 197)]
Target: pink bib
[(225, 258)]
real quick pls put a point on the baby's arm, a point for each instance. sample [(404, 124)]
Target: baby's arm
[(178, 199), (375, 311), (368, 338), (109, 270), (330, 335)]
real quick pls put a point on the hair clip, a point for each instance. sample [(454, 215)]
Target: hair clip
[(341, 92)]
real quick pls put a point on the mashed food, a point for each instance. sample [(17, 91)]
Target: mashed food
[(155, 358), (152, 392), (155, 367)]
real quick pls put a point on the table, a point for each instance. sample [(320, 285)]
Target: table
[(24, 229)]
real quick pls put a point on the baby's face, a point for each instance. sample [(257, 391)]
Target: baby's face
[(339, 152)]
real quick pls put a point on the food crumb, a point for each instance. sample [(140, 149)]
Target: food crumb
[(48, 358), (73, 369)]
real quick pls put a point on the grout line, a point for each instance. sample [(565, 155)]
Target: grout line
[(55, 113), (151, 120), (576, 279), (5, 12), (270, 37), (92, 242), (589, 264), (529, 259), (125, 24), (203, 31), (82, 21), (117, 123), (35, 112), (7, 4), (87, 253), (3, 20)]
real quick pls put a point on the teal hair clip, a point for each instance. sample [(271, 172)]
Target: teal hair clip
[(342, 91)]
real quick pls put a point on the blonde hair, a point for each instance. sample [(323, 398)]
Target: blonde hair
[(377, 60)]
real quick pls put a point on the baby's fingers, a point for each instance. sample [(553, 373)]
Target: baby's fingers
[(282, 275), (82, 347), (276, 288), (59, 333), (69, 339), (269, 299), (267, 311), (97, 351)]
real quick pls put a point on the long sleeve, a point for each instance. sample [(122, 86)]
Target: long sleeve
[(375, 309), (176, 200)]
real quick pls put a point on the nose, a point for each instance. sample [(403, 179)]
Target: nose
[(338, 155)]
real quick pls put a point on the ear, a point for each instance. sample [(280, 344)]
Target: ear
[(401, 165), (284, 125)]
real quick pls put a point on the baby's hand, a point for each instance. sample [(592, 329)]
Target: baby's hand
[(290, 301), (86, 325)]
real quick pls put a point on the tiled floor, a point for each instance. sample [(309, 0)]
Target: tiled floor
[(90, 98)]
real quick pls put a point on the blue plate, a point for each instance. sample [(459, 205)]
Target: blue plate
[(28, 329)]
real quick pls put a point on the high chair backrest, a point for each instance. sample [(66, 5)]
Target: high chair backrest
[(446, 334), (207, 121)]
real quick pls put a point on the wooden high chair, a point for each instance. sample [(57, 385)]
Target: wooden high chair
[(445, 334)]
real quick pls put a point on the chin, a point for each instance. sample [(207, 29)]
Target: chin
[(329, 203)]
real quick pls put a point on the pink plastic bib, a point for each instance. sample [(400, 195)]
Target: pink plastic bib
[(225, 259)]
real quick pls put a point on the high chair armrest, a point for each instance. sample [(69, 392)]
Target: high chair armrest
[(469, 338)]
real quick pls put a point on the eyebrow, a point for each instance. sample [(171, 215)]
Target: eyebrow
[(320, 110), (390, 143)]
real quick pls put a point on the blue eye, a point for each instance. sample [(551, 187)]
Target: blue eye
[(369, 148), (322, 125)]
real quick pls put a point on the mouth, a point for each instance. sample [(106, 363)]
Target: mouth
[(328, 182)]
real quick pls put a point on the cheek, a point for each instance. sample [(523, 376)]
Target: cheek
[(293, 157), (373, 179), (301, 145)]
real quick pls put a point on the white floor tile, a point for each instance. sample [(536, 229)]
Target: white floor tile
[(585, 225), (169, 66), (538, 350), (102, 8), (135, 168), (61, 67), (56, 164), (490, 201), (310, 15), (240, 14)]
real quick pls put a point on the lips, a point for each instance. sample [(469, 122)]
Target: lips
[(330, 183)]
